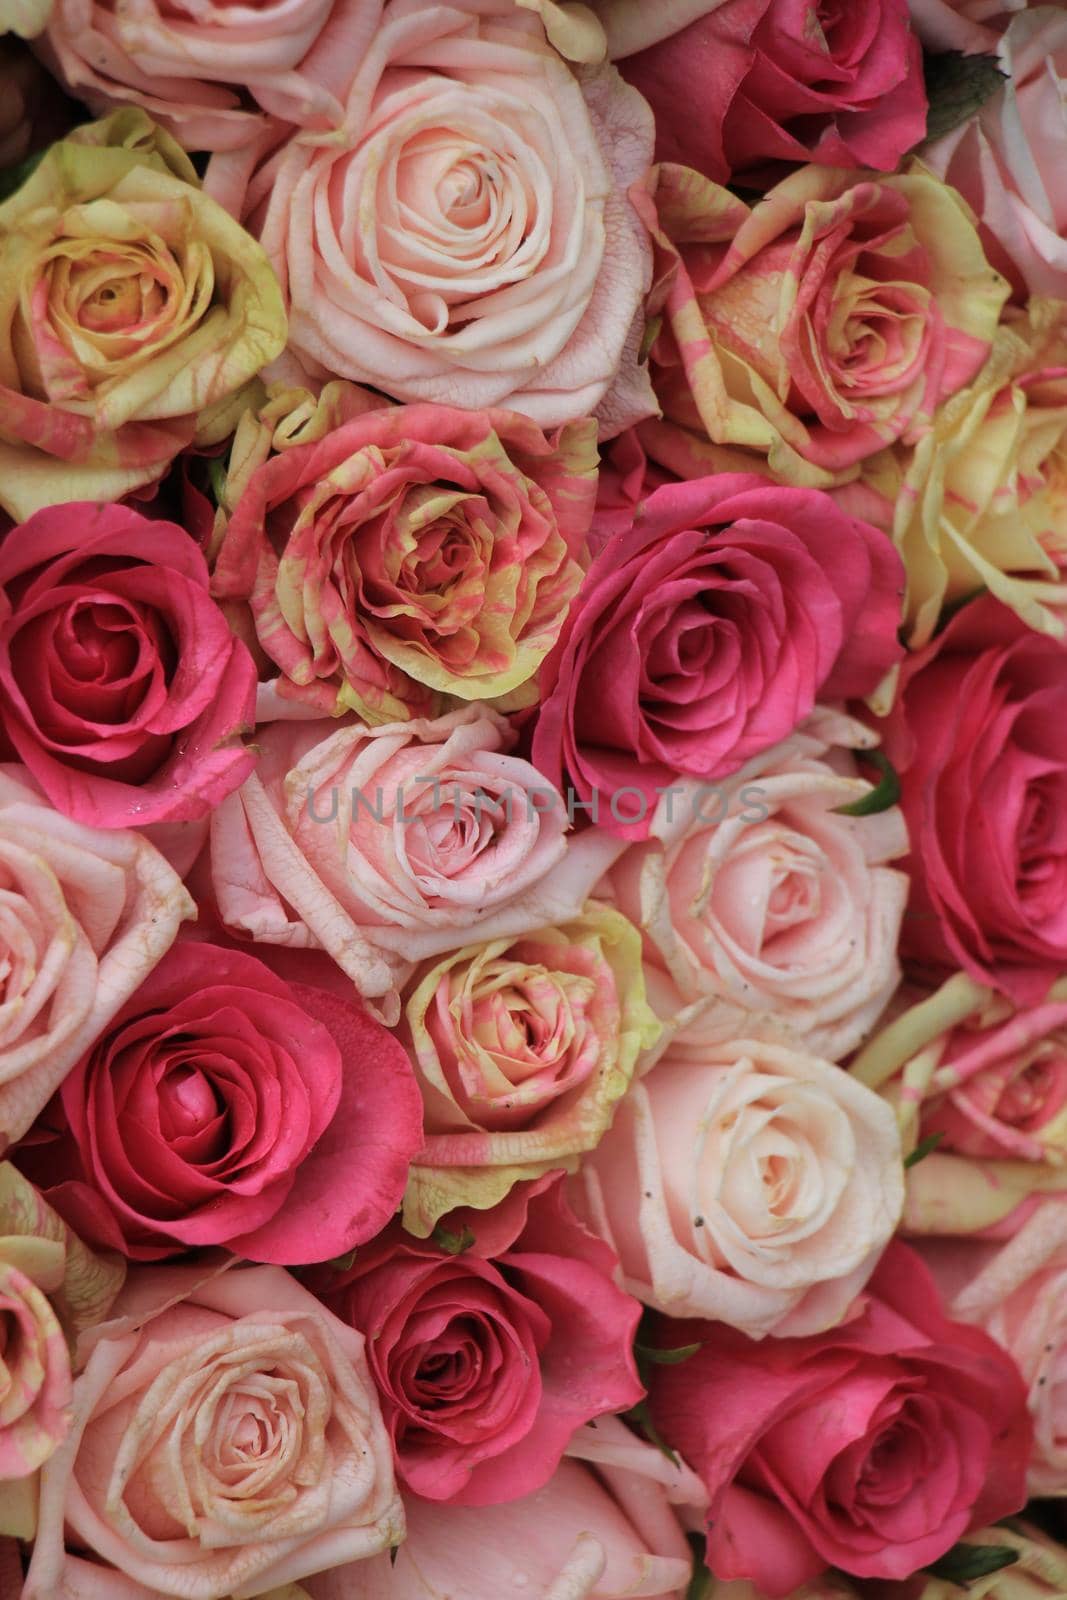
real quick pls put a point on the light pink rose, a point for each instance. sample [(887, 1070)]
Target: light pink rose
[(209, 71), (470, 240), (760, 897), (226, 1440), (84, 917), (384, 846), (1006, 160), (756, 1186), (973, 26), (605, 1527), (1017, 1292)]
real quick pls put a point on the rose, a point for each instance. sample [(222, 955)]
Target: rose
[(765, 899), (386, 846), (522, 1049), (491, 1347), (1017, 1292), (123, 689), (977, 737), (89, 1580), (1003, 160), (132, 312), (50, 1287), (703, 632), (973, 26), (226, 1439), (976, 503), (25, 17), (415, 551), (224, 1106), (196, 68), (596, 1531), (84, 917), (631, 25), (497, 259), (871, 1448), (756, 82), (757, 1185), (827, 321)]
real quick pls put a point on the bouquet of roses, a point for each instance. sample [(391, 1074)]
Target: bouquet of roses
[(533, 799)]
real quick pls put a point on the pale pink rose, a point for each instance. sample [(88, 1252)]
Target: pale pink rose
[(1017, 1292), (84, 917), (603, 1528), (756, 1186), (759, 896), (212, 72), (90, 1580), (226, 1441), (470, 240), (1007, 160), (388, 845), (973, 26)]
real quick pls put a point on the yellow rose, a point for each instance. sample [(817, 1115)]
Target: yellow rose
[(133, 313)]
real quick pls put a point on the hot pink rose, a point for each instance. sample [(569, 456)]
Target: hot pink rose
[(604, 1527), (208, 70), (703, 633), (84, 918), (470, 241), (227, 1439), (416, 552), (757, 82), (122, 688), (489, 1348), (872, 1448), (979, 737), (223, 1106), (1005, 160), (384, 846)]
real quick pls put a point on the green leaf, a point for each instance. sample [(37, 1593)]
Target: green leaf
[(880, 799), (966, 1562), (453, 1244), (12, 178), (648, 338), (640, 1417), (923, 1148), (957, 86), (342, 1263), (217, 474), (393, 1553), (665, 1358), (700, 1584)]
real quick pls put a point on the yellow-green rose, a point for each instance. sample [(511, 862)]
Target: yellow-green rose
[(522, 1048), (133, 313)]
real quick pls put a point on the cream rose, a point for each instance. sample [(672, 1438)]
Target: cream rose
[(385, 846), (470, 241), (757, 1187), (759, 897), (84, 917), (226, 1440)]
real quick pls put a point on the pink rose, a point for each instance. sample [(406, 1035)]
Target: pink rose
[(1017, 1292), (416, 552), (1004, 160), (485, 252), (491, 1347), (764, 899), (757, 82), (223, 1106), (756, 1185), (227, 1439), (603, 1527), (871, 1448), (123, 690), (703, 633), (632, 25), (208, 72), (978, 736), (973, 26), (385, 846), (84, 918)]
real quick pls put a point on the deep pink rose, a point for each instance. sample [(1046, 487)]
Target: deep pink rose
[(490, 1351), (224, 1106), (978, 733), (873, 1447), (121, 686), (762, 81), (703, 633)]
